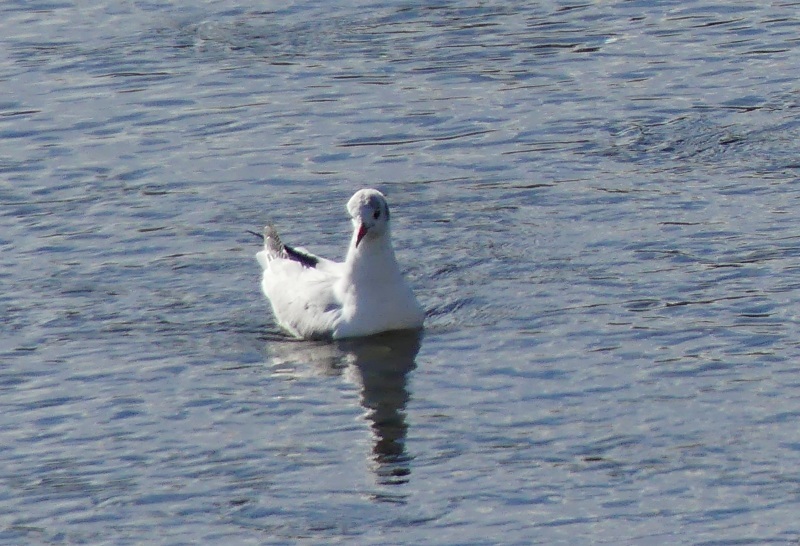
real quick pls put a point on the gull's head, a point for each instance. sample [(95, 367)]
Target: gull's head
[(370, 214)]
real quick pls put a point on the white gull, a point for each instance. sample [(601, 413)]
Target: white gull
[(313, 297)]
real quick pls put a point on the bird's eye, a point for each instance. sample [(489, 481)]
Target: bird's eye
[(377, 214)]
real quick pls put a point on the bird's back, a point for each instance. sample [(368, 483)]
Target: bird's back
[(302, 298)]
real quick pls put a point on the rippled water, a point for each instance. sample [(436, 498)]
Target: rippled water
[(596, 202)]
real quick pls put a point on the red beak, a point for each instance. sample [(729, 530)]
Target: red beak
[(362, 230)]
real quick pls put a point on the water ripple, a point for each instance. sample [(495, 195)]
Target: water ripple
[(596, 203)]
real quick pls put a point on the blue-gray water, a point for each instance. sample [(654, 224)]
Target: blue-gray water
[(597, 203)]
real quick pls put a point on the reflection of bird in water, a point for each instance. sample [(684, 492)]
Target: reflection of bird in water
[(380, 365)]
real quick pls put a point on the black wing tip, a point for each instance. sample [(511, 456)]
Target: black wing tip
[(278, 249), (304, 259), (251, 232)]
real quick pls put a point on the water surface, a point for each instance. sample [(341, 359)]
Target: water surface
[(597, 203)]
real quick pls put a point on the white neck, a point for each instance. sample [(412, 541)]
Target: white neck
[(372, 257)]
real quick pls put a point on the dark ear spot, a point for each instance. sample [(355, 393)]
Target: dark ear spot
[(376, 214)]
